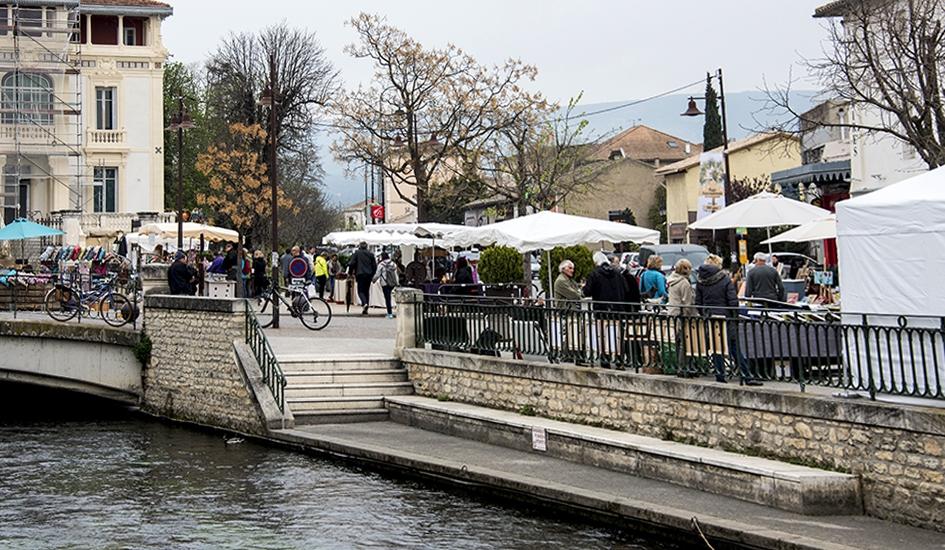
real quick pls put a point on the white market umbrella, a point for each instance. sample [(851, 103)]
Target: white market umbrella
[(547, 230), (345, 238), (817, 230), (191, 230)]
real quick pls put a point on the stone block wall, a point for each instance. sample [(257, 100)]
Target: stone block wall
[(897, 450), (193, 375)]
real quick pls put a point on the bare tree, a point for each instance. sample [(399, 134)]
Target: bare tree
[(424, 109), (541, 159), (238, 72), (886, 58)]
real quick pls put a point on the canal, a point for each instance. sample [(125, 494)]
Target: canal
[(77, 472)]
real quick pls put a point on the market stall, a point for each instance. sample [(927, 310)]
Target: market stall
[(891, 246)]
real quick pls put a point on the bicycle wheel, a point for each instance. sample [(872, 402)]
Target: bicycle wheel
[(262, 308), (61, 303), (116, 309), (315, 313)]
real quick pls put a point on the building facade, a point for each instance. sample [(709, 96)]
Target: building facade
[(82, 122)]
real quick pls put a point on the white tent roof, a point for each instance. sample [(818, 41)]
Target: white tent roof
[(546, 230), (345, 238), (191, 230), (817, 230), (428, 229), (891, 245), (761, 210)]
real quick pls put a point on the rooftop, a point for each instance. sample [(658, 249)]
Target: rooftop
[(108, 7), (646, 144), (733, 147), (836, 8)]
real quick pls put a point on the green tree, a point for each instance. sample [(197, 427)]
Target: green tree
[(657, 214), (501, 265), (581, 256), (185, 81), (712, 131)]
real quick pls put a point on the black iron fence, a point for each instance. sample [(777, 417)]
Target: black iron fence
[(268, 364), (860, 353)]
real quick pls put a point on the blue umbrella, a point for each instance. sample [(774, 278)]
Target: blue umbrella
[(21, 228)]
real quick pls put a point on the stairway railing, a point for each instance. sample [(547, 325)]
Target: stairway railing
[(262, 351)]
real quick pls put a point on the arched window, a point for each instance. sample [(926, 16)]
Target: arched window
[(26, 98)]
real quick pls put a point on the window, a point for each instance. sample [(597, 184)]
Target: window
[(104, 187), (105, 109), (131, 36), (29, 20), (26, 98)]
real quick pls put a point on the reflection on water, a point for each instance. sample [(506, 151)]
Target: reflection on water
[(87, 475)]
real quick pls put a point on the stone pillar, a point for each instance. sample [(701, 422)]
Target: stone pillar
[(407, 300), (154, 278)]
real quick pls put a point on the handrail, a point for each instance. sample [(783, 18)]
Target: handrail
[(268, 364)]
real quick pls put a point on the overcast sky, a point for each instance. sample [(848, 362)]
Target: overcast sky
[(612, 50)]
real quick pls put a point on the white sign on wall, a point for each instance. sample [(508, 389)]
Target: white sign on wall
[(539, 439)]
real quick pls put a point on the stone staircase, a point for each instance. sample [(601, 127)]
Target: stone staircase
[(330, 389)]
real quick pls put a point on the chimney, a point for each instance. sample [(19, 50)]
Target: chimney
[(688, 148)]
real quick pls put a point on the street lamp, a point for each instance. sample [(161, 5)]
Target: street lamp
[(693, 110), (270, 98), (180, 121)]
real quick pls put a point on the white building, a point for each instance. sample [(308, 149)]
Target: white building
[(876, 159), (82, 121)]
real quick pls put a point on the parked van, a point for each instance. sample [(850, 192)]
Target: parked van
[(672, 253)]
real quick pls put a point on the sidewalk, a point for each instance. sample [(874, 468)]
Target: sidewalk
[(529, 476)]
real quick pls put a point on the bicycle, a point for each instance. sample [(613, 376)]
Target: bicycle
[(315, 313), (64, 301)]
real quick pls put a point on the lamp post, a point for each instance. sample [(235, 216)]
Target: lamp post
[(693, 110), (180, 121), (270, 98)]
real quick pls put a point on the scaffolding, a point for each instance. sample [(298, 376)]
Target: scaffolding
[(41, 127)]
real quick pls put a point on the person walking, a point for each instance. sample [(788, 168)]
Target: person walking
[(334, 269), (653, 282), (321, 273), (260, 279), (387, 275), (363, 266), (764, 281), (717, 299)]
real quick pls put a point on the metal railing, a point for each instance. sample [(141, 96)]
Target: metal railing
[(262, 351), (877, 354)]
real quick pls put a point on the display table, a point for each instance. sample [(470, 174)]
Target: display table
[(376, 297)]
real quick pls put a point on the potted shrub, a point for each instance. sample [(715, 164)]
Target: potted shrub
[(501, 269)]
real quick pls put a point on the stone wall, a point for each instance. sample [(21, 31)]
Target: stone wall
[(897, 450), (194, 375)]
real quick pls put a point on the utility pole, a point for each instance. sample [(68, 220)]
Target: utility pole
[(270, 97), (180, 173)]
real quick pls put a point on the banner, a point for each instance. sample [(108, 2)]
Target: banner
[(711, 184)]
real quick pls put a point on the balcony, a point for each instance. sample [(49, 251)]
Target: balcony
[(105, 140), (27, 134)]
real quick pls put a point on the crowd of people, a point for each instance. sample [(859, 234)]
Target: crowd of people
[(309, 266), (716, 292)]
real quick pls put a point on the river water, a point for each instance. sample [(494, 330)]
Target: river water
[(78, 473)]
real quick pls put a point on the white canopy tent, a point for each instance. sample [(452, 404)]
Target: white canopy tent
[(891, 246), (191, 230), (817, 230), (373, 238), (435, 230), (547, 230), (762, 210)]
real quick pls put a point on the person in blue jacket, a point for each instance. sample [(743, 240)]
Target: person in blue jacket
[(653, 282)]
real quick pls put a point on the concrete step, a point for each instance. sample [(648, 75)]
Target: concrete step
[(296, 363), (348, 390), (356, 376), (791, 487), (300, 405), (341, 416)]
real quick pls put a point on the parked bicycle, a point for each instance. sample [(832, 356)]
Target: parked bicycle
[(314, 312), (65, 300)]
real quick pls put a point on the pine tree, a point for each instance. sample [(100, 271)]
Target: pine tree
[(712, 131)]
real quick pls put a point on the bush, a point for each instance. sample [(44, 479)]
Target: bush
[(580, 255), (501, 265), (142, 350)]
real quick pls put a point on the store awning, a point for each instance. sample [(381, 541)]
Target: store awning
[(818, 172)]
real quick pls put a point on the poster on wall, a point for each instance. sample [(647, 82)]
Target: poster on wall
[(711, 183)]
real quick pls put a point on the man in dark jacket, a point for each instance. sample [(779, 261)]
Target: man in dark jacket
[(363, 265), (716, 297), (764, 281), (180, 276), (606, 284)]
